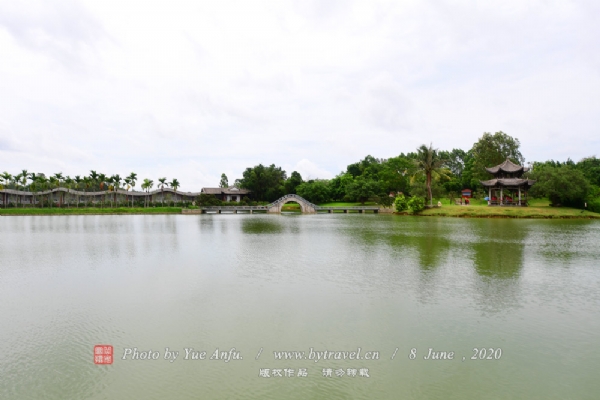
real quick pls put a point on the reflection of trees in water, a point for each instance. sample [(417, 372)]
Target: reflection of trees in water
[(427, 241), (261, 225), (498, 259), (499, 251)]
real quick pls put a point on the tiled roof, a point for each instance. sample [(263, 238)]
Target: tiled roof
[(507, 166), (508, 182), (228, 190)]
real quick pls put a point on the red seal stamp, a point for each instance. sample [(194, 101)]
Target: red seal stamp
[(103, 354)]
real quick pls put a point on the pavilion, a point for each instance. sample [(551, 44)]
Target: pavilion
[(506, 184)]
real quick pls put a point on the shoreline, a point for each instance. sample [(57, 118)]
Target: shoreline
[(532, 214)]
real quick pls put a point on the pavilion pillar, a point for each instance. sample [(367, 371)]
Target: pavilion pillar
[(519, 195), (501, 198), (490, 196)]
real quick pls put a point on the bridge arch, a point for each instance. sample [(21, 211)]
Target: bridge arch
[(305, 205)]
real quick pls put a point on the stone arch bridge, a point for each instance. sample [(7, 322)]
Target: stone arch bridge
[(276, 206), (305, 205)]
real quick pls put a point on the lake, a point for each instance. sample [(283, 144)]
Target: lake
[(289, 306)]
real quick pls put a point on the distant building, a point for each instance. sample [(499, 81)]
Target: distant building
[(231, 193)]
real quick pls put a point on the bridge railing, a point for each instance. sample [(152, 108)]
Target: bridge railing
[(347, 208), (215, 208), (292, 196)]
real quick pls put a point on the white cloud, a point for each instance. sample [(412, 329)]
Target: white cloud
[(193, 89), (309, 170)]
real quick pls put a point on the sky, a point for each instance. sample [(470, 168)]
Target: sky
[(190, 90)]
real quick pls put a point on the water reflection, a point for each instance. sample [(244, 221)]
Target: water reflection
[(497, 252), (262, 225)]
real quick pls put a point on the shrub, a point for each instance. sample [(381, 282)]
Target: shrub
[(594, 205), (401, 203), (416, 204)]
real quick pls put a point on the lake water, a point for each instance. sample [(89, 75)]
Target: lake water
[(526, 289)]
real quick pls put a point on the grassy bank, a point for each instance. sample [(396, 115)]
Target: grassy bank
[(90, 211), (537, 209)]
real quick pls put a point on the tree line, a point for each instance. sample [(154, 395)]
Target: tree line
[(426, 173), (94, 182), (431, 173)]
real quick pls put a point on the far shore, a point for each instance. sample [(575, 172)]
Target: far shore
[(537, 211)]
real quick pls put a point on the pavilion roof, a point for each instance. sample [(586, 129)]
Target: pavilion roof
[(507, 166), (508, 182)]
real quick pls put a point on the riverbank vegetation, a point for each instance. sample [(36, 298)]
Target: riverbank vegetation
[(427, 173), (435, 175)]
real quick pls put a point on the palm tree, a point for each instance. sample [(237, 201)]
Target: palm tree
[(24, 176), (128, 183), (144, 186), (6, 177), (429, 163), (147, 185), (68, 183), (87, 183), (132, 177), (175, 185), (150, 184), (116, 179), (59, 179), (162, 192), (53, 182), (94, 177), (103, 180), (33, 185), (78, 181), (16, 179)]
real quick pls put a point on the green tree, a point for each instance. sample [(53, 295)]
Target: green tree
[(78, 182), (362, 189), (491, 150), (316, 191), (394, 174), (429, 163), (147, 185), (564, 185), (265, 183), (94, 177), (416, 204), (292, 183), (207, 200), (58, 180), (386, 200), (590, 166), (6, 178), (401, 203), (162, 183), (116, 180), (69, 184), (224, 181), (133, 178), (102, 182), (175, 185)]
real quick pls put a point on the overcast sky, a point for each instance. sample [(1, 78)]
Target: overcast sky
[(190, 90)]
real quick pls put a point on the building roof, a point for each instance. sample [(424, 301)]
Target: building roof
[(507, 166), (227, 190), (508, 182)]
